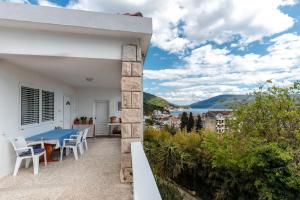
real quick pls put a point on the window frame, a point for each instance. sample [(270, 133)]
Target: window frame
[(41, 109), (34, 125)]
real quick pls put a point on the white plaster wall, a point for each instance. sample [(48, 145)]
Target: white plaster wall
[(86, 97), (10, 78), (47, 43)]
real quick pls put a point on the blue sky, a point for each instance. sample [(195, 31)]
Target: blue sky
[(201, 49)]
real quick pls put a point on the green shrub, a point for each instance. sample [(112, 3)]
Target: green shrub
[(167, 190), (257, 158)]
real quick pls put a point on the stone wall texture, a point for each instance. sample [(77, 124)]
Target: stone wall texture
[(132, 116)]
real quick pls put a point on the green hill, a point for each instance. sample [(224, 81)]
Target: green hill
[(152, 102), (222, 101)]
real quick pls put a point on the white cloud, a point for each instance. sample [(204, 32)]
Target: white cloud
[(182, 24), (47, 3), (16, 1), (211, 71), (216, 20)]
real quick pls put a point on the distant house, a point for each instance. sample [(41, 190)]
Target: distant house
[(216, 120), (175, 121)]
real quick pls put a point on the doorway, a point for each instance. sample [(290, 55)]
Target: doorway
[(67, 112), (101, 118)]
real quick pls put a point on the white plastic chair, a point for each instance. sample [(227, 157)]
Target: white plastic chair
[(84, 141), (25, 151), (72, 143)]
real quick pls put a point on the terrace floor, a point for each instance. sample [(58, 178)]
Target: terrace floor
[(94, 176)]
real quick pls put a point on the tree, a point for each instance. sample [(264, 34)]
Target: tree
[(191, 123), (199, 124), (184, 121), (273, 115)]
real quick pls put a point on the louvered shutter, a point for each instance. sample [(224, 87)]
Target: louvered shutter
[(30, 100), (47, 106)]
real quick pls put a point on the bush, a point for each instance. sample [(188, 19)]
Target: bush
[(167, 190), (257, 158), (224, 166)]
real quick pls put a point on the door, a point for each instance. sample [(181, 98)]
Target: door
[(67, 112), (101, 118)]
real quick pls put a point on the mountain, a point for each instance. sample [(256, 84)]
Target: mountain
[(152, 102), (158, 101), (226, 101)]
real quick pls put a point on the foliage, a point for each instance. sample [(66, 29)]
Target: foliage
[(167, 190), (199, 124), (149, 108), (274, 115), (191, 123), (257, 158), (184, 121), (152, 102), (157, 101), (171, 129)]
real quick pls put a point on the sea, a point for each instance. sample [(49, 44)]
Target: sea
[(196, 111)]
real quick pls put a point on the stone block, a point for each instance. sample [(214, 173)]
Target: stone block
[(126, 130), (131, 115), (126, 68), (139, 54), (126, 175), (131, 84), (129, 53), (136, 69), (136, 100), (126, 144), (126, 160), (137, 130), (126, 100)]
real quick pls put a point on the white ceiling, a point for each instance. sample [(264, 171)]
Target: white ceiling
[(73, 71)]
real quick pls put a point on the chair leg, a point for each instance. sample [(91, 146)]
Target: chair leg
[(75, 153), (86, 146), (35, 164), (80, 148), (67, 151), (17, 165), (45, 158), (27, 162), (61, 153)]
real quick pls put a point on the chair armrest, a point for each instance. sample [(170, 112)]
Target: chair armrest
[(68, 139), (25, 148)]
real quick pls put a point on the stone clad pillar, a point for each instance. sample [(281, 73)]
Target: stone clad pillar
[(132, 106)]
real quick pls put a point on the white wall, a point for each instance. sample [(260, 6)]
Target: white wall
[(86, 97), (46, 43), (10, 78)]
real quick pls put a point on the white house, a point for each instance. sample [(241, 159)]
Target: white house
[(68, 64)]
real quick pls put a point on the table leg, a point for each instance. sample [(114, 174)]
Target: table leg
[(49, 151)]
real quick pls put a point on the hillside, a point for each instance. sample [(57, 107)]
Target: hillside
[(222, 101), (152, 102)]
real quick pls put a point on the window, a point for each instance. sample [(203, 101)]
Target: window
[(47, 106), (30, 105), (36, 106)]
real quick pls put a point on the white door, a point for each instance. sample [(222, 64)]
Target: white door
[(101, 118), (67, 112)]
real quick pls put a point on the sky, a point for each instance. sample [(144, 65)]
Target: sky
[(203, 48)]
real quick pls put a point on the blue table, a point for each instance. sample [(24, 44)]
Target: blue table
[(53, 137)]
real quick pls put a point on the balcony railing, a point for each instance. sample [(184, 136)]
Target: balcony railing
[(144, 185)]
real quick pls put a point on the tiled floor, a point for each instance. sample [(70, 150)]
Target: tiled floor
[(94, 176)]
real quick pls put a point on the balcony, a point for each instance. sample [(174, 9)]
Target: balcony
[(96, 175)]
